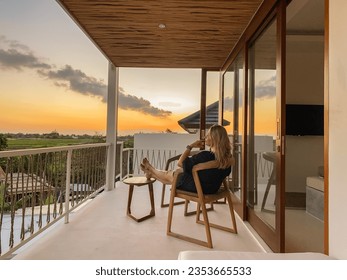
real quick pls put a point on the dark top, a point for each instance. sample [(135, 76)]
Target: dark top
[(210, 179)]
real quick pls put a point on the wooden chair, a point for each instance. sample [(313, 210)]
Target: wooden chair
[(201, 200), (165, 204), (271, 157)]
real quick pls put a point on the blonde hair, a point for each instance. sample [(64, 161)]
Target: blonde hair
[(221, 146)]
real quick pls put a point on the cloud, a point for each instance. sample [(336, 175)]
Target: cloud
[(12, 58), (77, 81), (13, 44), (229, 104), (266, 88), (132, 102), (20, 57)]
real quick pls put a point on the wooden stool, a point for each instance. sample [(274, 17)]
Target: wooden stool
[(140, 181)]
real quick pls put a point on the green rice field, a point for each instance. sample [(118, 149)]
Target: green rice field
[(33, 143)]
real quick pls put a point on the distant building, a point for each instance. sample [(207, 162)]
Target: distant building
[(22, 184), (191, 124)]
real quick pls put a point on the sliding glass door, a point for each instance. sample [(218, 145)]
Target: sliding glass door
[(264, 145), (253, 94), (277, 67)]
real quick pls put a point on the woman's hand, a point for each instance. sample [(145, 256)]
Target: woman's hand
[(186, 153), (198, 144)]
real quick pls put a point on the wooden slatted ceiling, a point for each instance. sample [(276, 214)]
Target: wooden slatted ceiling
[(198, 33)]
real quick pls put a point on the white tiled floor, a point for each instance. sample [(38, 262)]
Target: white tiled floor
[(101, 230)]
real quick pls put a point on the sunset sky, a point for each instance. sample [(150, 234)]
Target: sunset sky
[(54, 78)]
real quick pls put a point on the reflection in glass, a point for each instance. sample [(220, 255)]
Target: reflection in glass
[(233, 112), (261, 171), (212, 98)]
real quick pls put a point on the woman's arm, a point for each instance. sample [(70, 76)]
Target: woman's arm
[(206, 165), (186, 153), (210, 164)]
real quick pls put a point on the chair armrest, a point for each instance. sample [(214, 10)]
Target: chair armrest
[(172, 159), (178, 172)]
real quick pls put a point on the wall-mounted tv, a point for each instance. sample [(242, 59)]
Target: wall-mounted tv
[(304, 119)]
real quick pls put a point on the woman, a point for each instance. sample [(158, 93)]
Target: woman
[(219, 156)]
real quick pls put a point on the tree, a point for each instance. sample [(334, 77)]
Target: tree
[(3, 142), (53, 135)]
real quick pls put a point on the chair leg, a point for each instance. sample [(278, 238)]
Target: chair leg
[(162, 203), (232, 214), (224, 201), (169, 232), (268, 186), (169, 218), (198, 211), (189, 213), (233, 229), (206, 223)]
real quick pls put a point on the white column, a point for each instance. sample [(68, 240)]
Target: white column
[(337, 86), (111, 130)]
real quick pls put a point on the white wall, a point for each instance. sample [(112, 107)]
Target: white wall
[(305, 85), (169, 141), (337, 129), (304, 154)]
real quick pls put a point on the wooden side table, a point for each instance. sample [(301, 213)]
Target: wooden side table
[(138, 182)]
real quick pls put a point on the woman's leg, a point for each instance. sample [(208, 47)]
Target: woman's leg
[(164, 176)]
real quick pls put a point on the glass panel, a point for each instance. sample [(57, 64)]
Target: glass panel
[(233, 116), (212, 97), (261, 169), (304, 226)]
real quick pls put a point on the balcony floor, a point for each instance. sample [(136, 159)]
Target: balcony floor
[(101, 230)]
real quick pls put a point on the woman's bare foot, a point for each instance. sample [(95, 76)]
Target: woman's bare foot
[(164, 176), (147, 164), (146, 171), (143, 167)]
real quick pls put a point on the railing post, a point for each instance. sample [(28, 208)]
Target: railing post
[(121, 160), (111, 133), (67, 186)]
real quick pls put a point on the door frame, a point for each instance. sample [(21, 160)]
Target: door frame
[(266, 13)]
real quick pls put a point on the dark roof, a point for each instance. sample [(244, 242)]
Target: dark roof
[(191, 123)]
